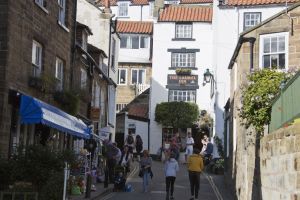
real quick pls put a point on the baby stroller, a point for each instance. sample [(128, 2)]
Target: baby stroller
[(119, 178)]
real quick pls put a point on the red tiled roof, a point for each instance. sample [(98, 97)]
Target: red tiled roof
[(139, 2), (138, 110), (102, 2), (195, 1), (134, 27), (256, 2), (184, 14)]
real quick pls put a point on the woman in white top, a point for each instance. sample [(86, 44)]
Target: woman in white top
[(171, 169), (189, 146)]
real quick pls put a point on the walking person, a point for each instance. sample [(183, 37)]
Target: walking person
[(138, 146), (145, 169), (176, 145), (129, 141), (126, 159), (195, 167), (189, 146), (171, 168)]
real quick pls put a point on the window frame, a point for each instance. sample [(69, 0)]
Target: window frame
[(113, 54), (119, 7), (261, 49), (146, 44), (37, 67), (193, 65), (122, 69), (84, 40), (60, 81), (177, 25), (144, 76), (250, 13), (188, 94), (62, 12), (151, 8), (83, 85)]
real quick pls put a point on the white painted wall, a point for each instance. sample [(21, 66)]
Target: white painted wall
[(135, 13), (92, 17), (227, 25), (141, 55), (141, 128), (162, 40)]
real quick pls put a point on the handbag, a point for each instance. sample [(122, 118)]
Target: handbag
[(141, 173)]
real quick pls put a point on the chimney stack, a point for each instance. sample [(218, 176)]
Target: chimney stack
[(107, 6), (158, 4)]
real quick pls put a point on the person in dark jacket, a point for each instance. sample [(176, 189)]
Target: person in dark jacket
[(138, 146), (126, 159)]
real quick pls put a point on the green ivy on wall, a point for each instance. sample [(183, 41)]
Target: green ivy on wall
[(258, 95)]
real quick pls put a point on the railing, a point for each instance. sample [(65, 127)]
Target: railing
[(140, 88), (286, 106)]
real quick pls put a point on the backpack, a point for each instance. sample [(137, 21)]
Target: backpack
[(139, 142), (130, 139)]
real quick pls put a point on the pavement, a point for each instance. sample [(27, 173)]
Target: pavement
[(212, 187)]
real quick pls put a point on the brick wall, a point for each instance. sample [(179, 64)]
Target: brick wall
[(280, 164)]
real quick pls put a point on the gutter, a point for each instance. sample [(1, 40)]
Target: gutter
[(242, 40), (73, 56)]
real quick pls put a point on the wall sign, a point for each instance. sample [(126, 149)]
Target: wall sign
[(182, 82)]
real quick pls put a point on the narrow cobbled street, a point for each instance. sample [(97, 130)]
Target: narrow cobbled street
[(208, 189)]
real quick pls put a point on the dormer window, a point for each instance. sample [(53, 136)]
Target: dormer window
[(123, 9)]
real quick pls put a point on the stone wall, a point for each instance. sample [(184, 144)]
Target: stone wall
[(280, 164), (245, 163), (27, 22)]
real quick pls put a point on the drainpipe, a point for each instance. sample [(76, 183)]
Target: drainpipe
[(148, 135), (251, 40), (141, 12), (73, 56)]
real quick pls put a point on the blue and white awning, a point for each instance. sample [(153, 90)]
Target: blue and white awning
[(34, 111)]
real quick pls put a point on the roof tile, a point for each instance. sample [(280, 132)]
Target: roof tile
[(177, 13), (195, 1), (135, 27), (139, 2), (102, 2), (256, 2), (138, 110)]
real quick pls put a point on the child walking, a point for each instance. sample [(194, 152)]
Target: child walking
[(171, 168)]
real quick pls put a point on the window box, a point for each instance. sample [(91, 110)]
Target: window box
[(182, 71), (68, 100), (35, 82), (43, 83)]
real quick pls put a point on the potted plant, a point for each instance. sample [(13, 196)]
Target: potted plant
[(219, 166)]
